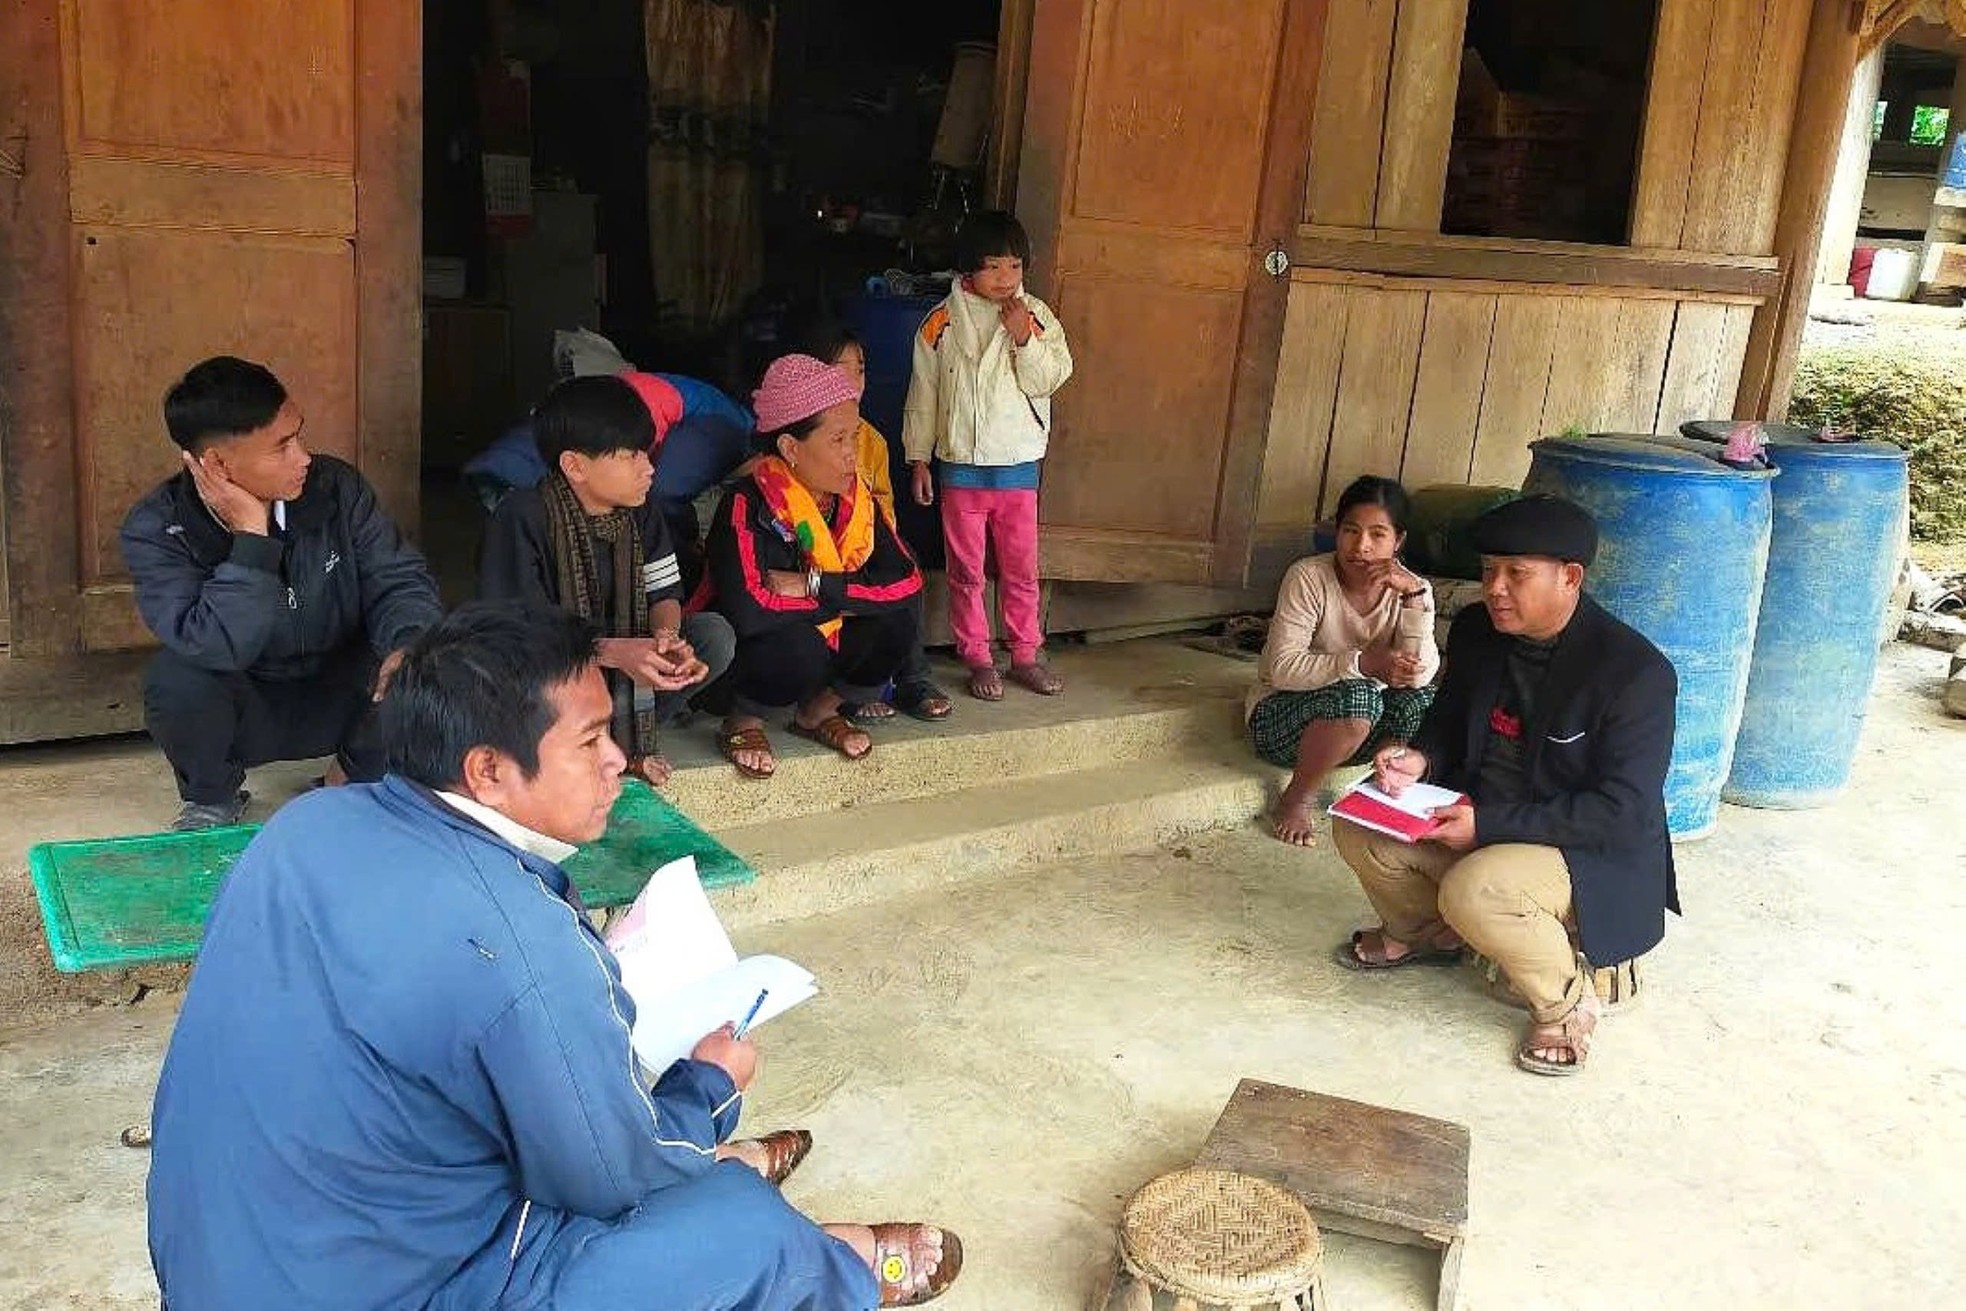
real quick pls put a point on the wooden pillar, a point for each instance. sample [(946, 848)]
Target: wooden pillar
[(1846, 198), (1829, 67)]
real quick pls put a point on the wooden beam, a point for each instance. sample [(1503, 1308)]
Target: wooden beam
[(1883, 20), (37, 364), (1559, 264), (389, 252), (1829, 69), (1007, 123)]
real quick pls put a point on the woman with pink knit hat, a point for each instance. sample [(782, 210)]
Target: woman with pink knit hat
[(809, 571)]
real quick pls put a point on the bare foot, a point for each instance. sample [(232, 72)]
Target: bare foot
[(654, 770), (1294, 821)]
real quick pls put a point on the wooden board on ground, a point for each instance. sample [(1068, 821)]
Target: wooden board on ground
[(1362, 1169)]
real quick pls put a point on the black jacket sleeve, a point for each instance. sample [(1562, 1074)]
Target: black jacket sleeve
[(1633, 750), (887, 581), (399, 597), (514, 562), (738, 554), (662, 573), (218, 618)]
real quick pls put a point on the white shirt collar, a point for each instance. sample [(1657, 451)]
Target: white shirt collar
[(517, 834)]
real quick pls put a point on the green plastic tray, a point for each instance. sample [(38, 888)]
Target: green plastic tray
[(117, 902)]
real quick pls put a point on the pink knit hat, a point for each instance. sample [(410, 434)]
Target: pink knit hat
[(797, 387)]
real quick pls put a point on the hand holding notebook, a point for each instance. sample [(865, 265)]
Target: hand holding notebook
[(1408, 816), (679, 966)]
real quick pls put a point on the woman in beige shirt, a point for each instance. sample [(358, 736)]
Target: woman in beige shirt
[(1350, 655)]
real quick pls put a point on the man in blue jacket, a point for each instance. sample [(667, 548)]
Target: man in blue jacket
[(402, 1077), (282, 593), (1556, 721)]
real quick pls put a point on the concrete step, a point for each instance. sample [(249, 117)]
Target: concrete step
[(1145, 703), (867, 853)]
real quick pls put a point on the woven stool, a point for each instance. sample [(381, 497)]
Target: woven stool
[(1214, 1238)]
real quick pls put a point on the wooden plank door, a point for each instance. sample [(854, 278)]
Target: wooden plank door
[(1165, 147), (184, 180)]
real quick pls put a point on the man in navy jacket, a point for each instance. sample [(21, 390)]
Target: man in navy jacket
[(1556, 720), (281, 591), (402, 1077)]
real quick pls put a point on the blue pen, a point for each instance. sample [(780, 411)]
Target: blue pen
[(752, 1014)]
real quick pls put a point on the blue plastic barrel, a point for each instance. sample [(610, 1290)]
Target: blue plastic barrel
[(1683, 548), (1839, 519), (886, 326)]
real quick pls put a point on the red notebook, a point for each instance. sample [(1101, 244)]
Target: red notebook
[(1407, 817)]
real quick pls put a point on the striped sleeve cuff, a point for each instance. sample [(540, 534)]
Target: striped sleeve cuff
[(658, 575)]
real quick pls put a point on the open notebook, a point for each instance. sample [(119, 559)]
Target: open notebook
[(1407, 817), (686, 979)]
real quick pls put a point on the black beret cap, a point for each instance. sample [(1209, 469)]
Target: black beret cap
[(1537, 525)]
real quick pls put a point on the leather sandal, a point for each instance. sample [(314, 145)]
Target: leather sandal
[(651, 769), (832, 732), (863, 713), (1038, 677), (1570, 1035), (1352, 958), (985, 683), (923, 700), (906, 1265), (783, 1152), (732, 742)]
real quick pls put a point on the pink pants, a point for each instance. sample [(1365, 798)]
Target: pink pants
[(1007, 523)]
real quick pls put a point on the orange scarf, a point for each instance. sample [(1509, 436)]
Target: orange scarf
[(828, 549)]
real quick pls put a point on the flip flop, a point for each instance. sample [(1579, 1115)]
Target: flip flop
[(1346, 954), (985, 683), (747, 739), (1038, 677), (899, 1263), (923, 700), (832, 733), (863, 713)]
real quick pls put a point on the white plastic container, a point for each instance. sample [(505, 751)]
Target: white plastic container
[(1894, 275)]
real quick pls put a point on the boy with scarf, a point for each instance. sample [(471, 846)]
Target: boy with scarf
[(589, 539), (987, 362)]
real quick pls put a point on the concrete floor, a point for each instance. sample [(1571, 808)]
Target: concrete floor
[(1780, 1124)]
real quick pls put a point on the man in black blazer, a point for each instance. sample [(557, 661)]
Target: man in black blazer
[(1556, 720)]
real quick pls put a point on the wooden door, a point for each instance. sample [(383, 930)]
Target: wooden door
[(1165, 145), (178, 181)]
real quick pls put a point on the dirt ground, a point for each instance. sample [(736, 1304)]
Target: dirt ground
[(1780, 1124)]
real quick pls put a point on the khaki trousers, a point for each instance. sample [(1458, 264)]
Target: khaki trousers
[(1510, 902)]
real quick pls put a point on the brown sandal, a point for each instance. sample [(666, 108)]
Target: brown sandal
[(783, 1151), (735, 741), (1038, 677), (1570, 1035), (651, 769), (906, 1265), (832, 733), (985, 683), (1352, 956)]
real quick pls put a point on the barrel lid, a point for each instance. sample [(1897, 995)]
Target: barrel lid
[(1788, 441), (1647, 451)]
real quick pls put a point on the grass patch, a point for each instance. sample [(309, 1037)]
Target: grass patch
[(1911, 394)]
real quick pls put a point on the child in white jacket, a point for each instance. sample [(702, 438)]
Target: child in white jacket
[(987, 361)]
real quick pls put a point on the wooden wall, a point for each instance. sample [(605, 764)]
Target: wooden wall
[(1725, 75), (1443, 380), (1439, 359)]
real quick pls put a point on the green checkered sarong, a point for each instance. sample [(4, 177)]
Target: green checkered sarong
[(1394, 712)]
